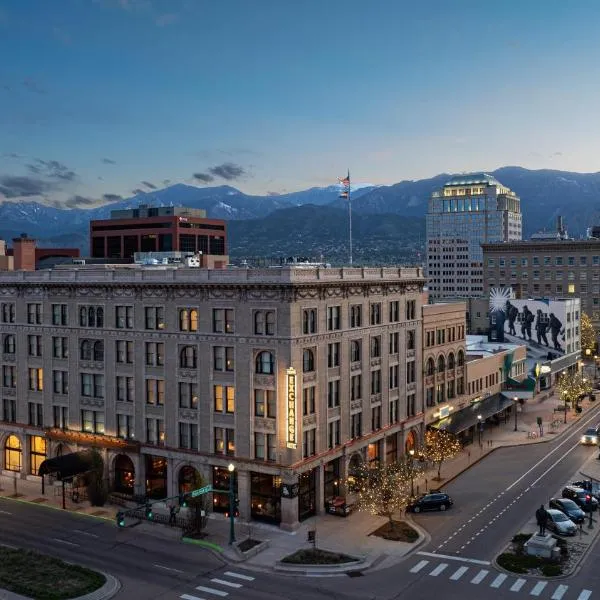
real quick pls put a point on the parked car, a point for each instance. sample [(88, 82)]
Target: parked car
[(570, 508), (589, 486), (560, 523), (431, 501), (590, 437), (582, 498)]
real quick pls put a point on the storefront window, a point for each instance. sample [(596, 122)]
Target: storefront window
[(37, 453), (156, 476), (12, 453), (220, 483), (265, 492), (373, 452), (307, 495), (332, 472), (391, 448), (124, 475)]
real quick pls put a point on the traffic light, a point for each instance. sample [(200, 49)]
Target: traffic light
[(183, 501), (120, 519), (149, 511)]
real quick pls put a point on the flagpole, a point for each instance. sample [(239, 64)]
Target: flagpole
[(349, 218)]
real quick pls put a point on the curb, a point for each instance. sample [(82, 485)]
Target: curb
[(51, 507), (111, 586)]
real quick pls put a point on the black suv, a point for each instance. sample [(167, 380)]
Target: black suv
[(589, 486), (431, 501), (582, 498)]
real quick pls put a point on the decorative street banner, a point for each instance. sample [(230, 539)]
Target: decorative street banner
[(291, 408)]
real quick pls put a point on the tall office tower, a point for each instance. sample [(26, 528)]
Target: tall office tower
[(468, 211)]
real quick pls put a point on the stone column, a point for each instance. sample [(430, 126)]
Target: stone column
[(244, 494), (320, 489), (289, 506), (171, 480), (25, 456), (139, 486)]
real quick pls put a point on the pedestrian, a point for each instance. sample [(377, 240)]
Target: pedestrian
[(541, 517)]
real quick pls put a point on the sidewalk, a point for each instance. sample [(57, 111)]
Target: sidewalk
[(350, 534)]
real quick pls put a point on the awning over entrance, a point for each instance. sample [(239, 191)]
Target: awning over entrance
[(68, 465), (461, 420)]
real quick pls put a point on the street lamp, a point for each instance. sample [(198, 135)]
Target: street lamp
[(231, 469), (516, 401), (411, 452), (566, 399), (479, 417)]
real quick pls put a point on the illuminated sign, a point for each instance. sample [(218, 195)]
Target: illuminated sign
[(291, 408), (444, 411)]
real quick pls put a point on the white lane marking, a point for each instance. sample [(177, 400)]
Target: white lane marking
[(473, 561), (189, 597), (538, 587), (518, 584), (65, 542), (415, 569), (498, 581), (479, 577), (167, 568), (85, 533), (5, 512), (459, 573), (441, 567), (554, 464), (585, 594), (229, 583), (238, 576), (560, 592), (201, 588)]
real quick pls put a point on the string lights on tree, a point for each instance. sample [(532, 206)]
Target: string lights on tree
[(440, 445)]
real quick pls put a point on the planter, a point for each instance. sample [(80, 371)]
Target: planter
[(250, 547)]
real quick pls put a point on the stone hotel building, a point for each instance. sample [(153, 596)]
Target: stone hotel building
[(292, 374)]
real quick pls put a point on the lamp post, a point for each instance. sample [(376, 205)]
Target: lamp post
[(595, 366), (411, 453), (480, 425), (231, 469), (566, 399), (516, 401)]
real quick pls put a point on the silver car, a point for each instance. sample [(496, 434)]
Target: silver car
[(590, 437), (560, 523)]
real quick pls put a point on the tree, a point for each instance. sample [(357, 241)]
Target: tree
[(440, 446), (382, 490), (572, 386), (97, 491), (588, 333), (198, 506)]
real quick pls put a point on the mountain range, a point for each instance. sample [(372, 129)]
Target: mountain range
[(314, 221)]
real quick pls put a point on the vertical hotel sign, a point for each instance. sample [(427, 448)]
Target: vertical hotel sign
[(291, 408)]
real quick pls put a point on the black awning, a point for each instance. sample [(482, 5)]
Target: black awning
[(468, 417), (68, 465)]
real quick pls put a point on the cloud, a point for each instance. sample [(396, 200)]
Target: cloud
[(109, 161), (76, 201), (138, 191), (166, 19), (149, 185), (203, 177), (166, 181), (228, 171), (273, 194), (12, 155), (557, 154), (52, 169), (32, 86), (111, 197), (16, 186)]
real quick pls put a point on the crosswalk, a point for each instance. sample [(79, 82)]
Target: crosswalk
[(477, 575), (219, 587)]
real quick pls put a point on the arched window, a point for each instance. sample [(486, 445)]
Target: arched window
[(188, 357), (355, 351), (188, 319), (183, 319), (99, 317), (8, 346), (430, 366), (85, 350), (451, 361), (13, 454), (270, 322), (99, 350), (375, 347), (461, 358), (308, 361), (91, 318), (265, 363), (410, 340), (259, 322), (83, 316), (441, 364), (193, 320)]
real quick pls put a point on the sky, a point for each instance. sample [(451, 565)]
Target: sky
[(100, 99)]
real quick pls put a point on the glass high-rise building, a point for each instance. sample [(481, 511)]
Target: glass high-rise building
[(470, 210)]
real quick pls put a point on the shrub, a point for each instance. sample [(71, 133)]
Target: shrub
[(550, 570), (518, 563), (521, 538)]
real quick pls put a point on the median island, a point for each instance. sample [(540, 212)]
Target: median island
[(43, 577)]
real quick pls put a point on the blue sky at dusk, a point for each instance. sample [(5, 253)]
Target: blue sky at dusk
[(99, 96)]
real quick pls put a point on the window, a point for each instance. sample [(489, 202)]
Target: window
[(356, 425), (394, 311), (92, 350), (333, 355), (461, 358), (59, 314), (124, 317), (308, 401), (333, 318), (34, 313), (333, 393), (429, 398), (13, 454), (9, 410), (154, 317), (308, 361), (155, 354), (451, 363), (188, 319), (223, 320), (333, 433), (394, 413), (155, 432), (60, 417), (85, 350), (125, 426), (356, 387), (36, 379), (375, 418), (309, 321), (155, 391), (376, 382), (188, 395), (265, 363), (60, 347), (9, 376), (376, 346), (356, 315), (37, 453), (188, 436), (410, 371), (411, 405), (441, 364), (355, 351), (91, 316), (224, 398), (265, 404), (394, 376), (264, 322), (309, 443), (264, 441), (224, 441), (125, 390), (92, 421), (394, 342), (223, 358), (60, 382), (430, 368), (411, 339), (124, 352), (8, 312), (92, 385), (8, 344), (411, 310), (375, 313), (188, 357)]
